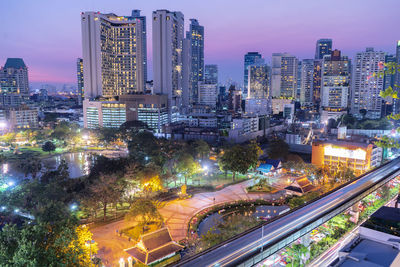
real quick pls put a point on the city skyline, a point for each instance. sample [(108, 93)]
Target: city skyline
[(49, 40)]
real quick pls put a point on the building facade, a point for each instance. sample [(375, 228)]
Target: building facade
[(211, 74), (14, 77), (112, 49), (22, 117), (80, 89), (168, 36), (335, 84), (136, 15), (284, 75), (250, 58), (306, 82), (196, 37), (208, 94), (323, 47), (365, 85)]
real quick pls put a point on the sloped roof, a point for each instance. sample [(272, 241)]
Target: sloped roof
[(16, 63), (156, 239), (264, 167), (273, 162)]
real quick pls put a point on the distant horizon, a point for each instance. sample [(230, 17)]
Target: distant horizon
[(47, 34)]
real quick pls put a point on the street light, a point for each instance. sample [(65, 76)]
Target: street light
[(89, 243)]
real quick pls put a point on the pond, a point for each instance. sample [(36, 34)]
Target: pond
[(79, 164), (263, 212)]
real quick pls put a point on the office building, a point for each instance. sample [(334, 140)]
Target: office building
[(196, 37), (168, 35), (22, 117), (337, 154), (211, 74), (284, 75), (187, 92), (306, 82), (234, 100), (80, 89), (258, 81), (250, 58), (335, 85), (14, 77), (112, 49), (208, 94), (107, 114), (316, 96), (323, 47), (365, 86), (136, 15)]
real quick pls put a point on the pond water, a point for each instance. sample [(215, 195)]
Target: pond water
[(263, 211), (79, 164)]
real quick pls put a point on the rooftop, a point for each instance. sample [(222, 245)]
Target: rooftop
[(16, 63)]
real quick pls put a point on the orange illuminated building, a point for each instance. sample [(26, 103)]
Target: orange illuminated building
[(360, 157)]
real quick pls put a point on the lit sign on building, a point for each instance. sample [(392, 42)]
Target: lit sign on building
[(345, 153)]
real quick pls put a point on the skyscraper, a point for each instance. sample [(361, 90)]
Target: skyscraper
[(317, 83), (284, 75), (196, 37), (258, 84), (14, 77), (168, 35), (112, 49), (396, 102), (136, 15), (80, 88), (366, 87), (323, 47), (249, 59), (211, 74), (306, 82), (335, 79)]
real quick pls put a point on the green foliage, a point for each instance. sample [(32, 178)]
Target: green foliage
[(48, 147), (145, 211), (297, 201), (297, 255)]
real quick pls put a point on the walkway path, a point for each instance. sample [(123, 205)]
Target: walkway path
[(177, 213)]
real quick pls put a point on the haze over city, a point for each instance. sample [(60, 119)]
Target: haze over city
[(47, 34)]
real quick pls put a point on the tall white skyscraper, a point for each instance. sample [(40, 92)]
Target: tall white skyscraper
[(196, 37), (306, 82), (284, 75), (365, 86), (168, 36), (112, 49)]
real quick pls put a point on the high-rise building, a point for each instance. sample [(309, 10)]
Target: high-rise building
[(335, 85), (112, 49), (258, 81), (196, 37), (187, 93), (14, 77), (284, 75), (80, 89), (396, 102), (168, 36), (208, 94), (136, 15), (316, 98), (211, 74), (323, 47), (306, 82), (366, 86), (250, 58)]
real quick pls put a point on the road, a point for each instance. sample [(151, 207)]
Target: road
[(236, 249)]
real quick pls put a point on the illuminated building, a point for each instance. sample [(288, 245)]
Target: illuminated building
[(211, 74), (284, 75), (80, 88), (136, 15), (22, 117), (168, 36), (323, 47), (107, 114), (250, 58), (366, 87), (335, 84), (317, 83), (14, 77), (208, 94), (196, 37), (306, 82), (258, 81), (278, 105), (112, 49), (337, 154)]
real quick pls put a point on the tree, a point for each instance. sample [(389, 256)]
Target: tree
[(240, 158), (278, 149), (31, 165), (201, 148), (145, 210), (48, 147), (107, 189), (297, 254), (188, 166)]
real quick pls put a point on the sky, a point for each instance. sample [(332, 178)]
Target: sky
[(47, 33)]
